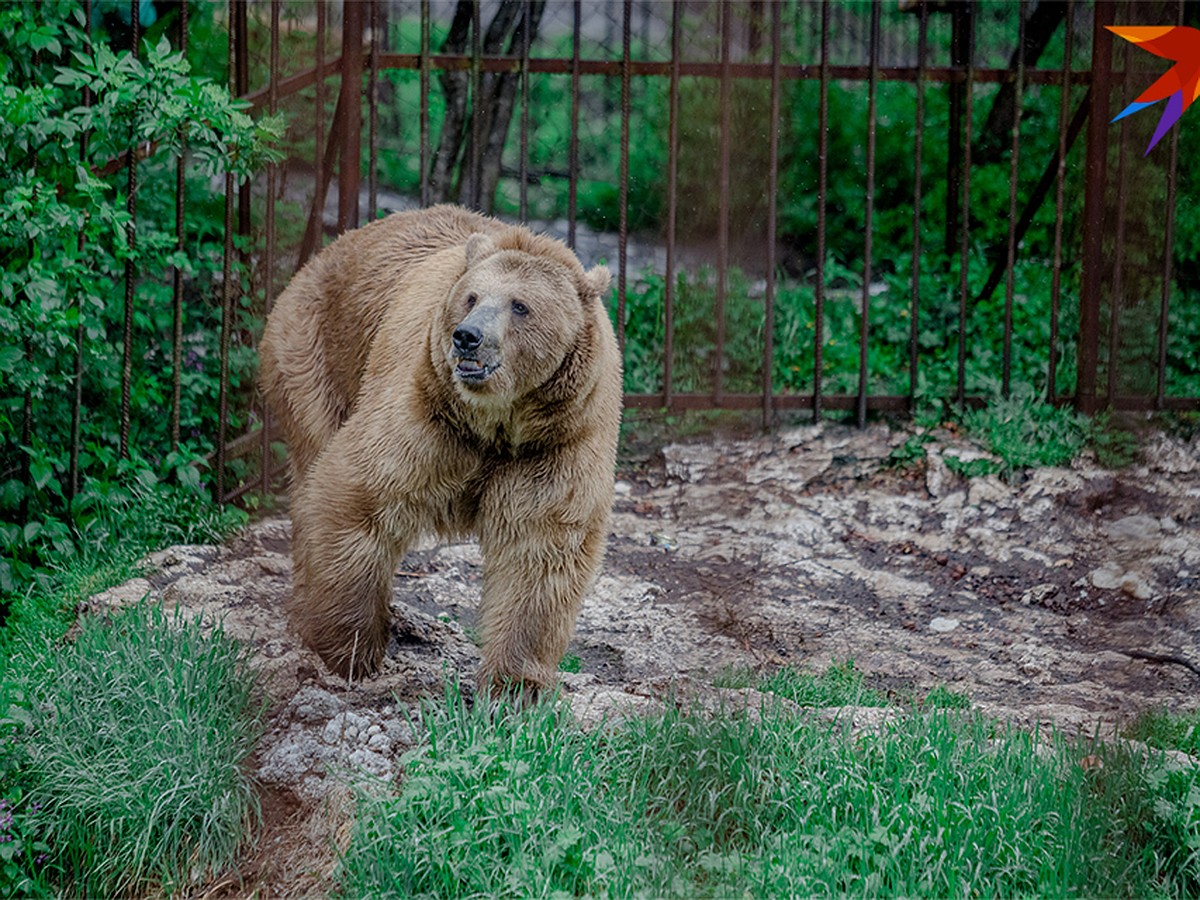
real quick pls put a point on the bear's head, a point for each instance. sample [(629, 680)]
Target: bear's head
[(516, 314)]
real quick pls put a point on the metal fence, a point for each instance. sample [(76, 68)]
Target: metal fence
[(784, 189)]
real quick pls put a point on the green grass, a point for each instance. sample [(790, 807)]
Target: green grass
[(132, 743), (687, 804), (839, 685), (1166, 731), (120, 748)]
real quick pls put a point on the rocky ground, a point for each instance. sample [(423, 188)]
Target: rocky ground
[(1069, 597)]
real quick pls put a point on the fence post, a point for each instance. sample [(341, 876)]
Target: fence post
[(1093, 209), (349, 175)]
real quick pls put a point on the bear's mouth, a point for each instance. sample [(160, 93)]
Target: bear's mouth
[(472, 371)]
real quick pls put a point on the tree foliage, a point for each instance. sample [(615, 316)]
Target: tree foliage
[(70, 107)]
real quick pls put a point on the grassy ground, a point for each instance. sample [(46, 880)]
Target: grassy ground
[(938, 802), (121, 748)]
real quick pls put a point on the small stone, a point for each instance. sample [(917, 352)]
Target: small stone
[(942, 625), (1107, 577), (1039, 593)]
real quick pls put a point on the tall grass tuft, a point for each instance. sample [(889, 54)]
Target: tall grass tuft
[(688, 804), (138, 733)]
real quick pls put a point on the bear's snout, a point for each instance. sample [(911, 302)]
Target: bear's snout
[(467, 338)]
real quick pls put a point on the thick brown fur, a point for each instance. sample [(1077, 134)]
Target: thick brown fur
[(439, 371)]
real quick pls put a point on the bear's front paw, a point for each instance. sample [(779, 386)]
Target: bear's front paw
[(353, 657)]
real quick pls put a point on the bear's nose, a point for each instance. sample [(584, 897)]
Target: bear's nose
[(467, 338)]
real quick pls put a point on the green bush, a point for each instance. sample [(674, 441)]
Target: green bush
[(70, 107)]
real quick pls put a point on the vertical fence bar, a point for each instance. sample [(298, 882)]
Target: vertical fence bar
[(350, 101), (319, 161), (723, 189), (1013, 170), (241, 87), (573, 145), (1093, 208), (523, 166), (77, 400), (965, 217), (918, 155), (373, 113), (864, 334), (623, 233), (1160, 388), (474, 195), (1118, 275), (177, 269), (131, 245), (822, 200), (768, 411), (1059, 192), (269, 237), (426, 194), (226, 286), (672, 211)]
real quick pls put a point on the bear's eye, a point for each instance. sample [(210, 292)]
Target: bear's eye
[(519, 308), (471, 301)]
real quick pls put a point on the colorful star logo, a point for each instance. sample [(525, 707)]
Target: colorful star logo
[(1181, 83)]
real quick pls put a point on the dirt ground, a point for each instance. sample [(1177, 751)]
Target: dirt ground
[(1068, 597)]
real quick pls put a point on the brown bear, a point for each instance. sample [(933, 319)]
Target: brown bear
[(440, 371)]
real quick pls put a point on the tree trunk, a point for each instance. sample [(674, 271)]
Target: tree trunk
[(468, 162)]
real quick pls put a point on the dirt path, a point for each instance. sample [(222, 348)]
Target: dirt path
[(799, 548)]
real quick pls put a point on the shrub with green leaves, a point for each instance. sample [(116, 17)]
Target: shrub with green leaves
[(70, 108)]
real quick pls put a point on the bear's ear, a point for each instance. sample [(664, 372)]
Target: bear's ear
[(478, 246), (596, 282)]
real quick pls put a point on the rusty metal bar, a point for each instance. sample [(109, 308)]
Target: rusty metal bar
[(315, 228), (965, 218), (1013, 171), (864, 334), (269, 228), (177, 270), (523, 164), (918, 155), (459, 62), (723, 190), (768, 373), (1059, 191), (241, 87), (227, 276), (320, 160), (1160, 398), (293, 84), (573, 145), (1095, 183), (77, 400), (131, 245), (350, 98), (822, 201), (623, 233), (1118, 273), (753, 402), (426, 193), (474, 197), (376, 8), (672, 211)]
